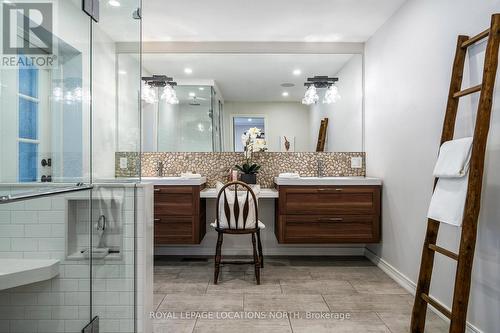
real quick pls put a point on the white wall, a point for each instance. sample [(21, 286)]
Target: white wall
[(345, 125), (408, 69), (282, 118)]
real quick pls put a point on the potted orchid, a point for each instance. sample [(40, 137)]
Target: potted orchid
[(252, 142)]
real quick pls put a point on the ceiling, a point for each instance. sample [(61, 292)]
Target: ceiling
[(244, 21), (248, 77), (265, 20)]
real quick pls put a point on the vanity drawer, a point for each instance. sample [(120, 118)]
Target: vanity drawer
[(329, 229), (175, 201), (173, 230), (326, 200)]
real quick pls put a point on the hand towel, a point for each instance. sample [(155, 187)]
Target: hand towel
[(448, 201), (291, 175), (190, 175), (454, 158)]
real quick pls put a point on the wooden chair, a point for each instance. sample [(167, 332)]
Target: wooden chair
[(238, 221)]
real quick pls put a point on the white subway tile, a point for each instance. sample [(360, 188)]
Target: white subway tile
[(24, 299), (5, 244), (36, 255), (77, 298), (36, 230), (51, 244), (38, 312), (24, 244), (39, 204), (51, 326), (75, 326), (57, 230), (65, 312), (53, 298), (24, 217), (24, 326), (76, 271), (64, 285), (4, 217), (51, 217), (11, 230), (11, 312), (58, 203)]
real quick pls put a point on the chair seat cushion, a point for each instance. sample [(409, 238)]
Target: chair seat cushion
[(261, 225)]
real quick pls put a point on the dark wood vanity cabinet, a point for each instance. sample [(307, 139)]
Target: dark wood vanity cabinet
[(179, 215), (328, 214)]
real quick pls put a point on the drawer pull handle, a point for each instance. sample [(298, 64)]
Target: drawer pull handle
[(157, 220), (331, 219), (157, 190), (329, 189)]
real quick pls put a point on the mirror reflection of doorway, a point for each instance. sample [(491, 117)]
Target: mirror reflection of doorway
[(241, 125)]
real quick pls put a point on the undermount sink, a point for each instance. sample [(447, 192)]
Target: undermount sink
[(174, 180), (305, 181)]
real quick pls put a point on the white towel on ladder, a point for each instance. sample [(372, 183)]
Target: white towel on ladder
[(448, 201)]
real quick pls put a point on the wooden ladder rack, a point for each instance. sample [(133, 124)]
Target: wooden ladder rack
[(320, 147), (465, 257)]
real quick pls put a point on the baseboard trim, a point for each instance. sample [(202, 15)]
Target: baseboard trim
[(282, 251), (408, 284)]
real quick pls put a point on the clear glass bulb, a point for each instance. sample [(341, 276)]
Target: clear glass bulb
[(311, 96), (331, 95), (148, 94), (169, 95)]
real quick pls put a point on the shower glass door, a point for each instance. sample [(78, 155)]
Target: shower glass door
[(115, 92), (45, 151)]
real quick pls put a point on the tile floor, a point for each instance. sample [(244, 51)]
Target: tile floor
[(325, 288)]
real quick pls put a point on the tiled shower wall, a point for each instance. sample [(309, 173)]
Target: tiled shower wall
[(215, 166), (37, 229)]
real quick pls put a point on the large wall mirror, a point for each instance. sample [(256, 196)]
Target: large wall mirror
[(206, 102)]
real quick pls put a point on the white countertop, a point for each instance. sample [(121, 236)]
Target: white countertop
[(178, 181), (335, 181), (19, 272), (265, 193)]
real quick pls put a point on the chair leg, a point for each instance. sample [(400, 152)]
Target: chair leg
[(218, 256), (256, 260), (261, 255)]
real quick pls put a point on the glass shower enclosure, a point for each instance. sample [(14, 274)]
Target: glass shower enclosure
[(69, 231), (192, 125)]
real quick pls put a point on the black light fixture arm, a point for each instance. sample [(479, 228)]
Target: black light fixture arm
[(321, 81), (159, 81)]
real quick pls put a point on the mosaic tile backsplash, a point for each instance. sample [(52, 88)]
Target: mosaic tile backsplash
[(215, 166)]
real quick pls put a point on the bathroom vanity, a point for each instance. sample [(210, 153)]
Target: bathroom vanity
[(328, 210), (179, 214), (308, 210)]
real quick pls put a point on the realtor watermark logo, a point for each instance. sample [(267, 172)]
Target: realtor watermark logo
[(28, 38)]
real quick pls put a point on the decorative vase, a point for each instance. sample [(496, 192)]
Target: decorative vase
[(249, 178)]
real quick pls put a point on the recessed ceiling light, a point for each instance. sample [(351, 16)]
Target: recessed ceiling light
[(192, 94), (188, 71), (122, 72), (297, 72), (249, 120), (201, 88), (285, 94), (114, 3)]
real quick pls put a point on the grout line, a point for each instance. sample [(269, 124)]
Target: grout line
[(324, 300), (159, 304), (383, 322), (290, 323)]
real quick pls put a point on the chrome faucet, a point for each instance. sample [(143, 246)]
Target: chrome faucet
[(320, 168), (159, 169)]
